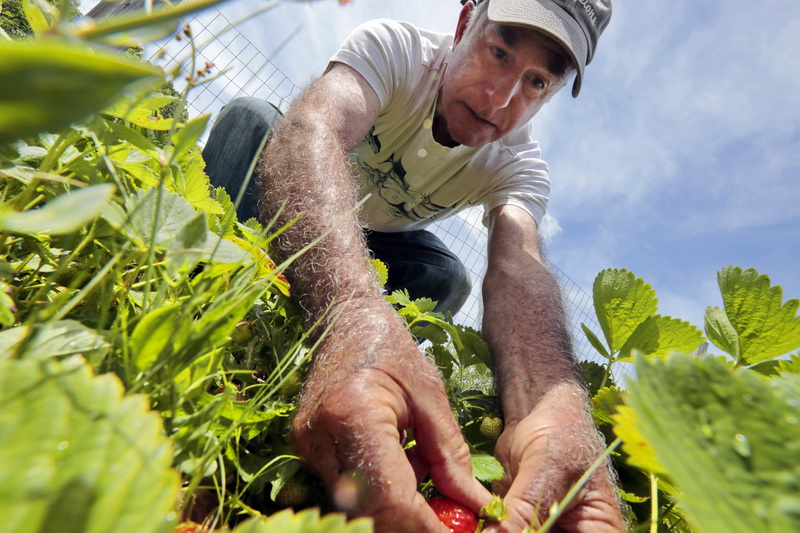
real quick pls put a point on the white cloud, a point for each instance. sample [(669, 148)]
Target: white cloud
[(549, 228)]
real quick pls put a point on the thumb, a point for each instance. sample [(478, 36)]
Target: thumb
[(443, 449)]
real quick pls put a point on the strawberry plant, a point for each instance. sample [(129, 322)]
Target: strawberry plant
[(708, 442)]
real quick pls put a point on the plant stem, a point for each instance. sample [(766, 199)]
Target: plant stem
[(653, 503)]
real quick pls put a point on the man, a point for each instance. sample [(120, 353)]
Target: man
[(429, 124)]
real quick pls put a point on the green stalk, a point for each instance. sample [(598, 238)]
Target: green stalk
[(92, 30), (608, 371), (654, 516), (83, 293)]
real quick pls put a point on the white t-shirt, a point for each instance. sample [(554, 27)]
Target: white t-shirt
[(411, 179)]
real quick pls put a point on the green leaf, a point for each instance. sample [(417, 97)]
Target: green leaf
[(305, 521), (594, 341), (443, 359), (432, 332), (472, 346), (160, 220), (54, 339), (77, 456), (605, 404), (137, 112), (7, 307), (659, 336), (155, 334), (61, 216), (721, 332), (486, 468), (622, 302), (187, 137), (137, 27), (195, 186), (134, 138), (790, 366), (281, 475), (641, 453), (40, 15), (41, 76), (381, 271), (766, 327), (729, 440), (399, 297)]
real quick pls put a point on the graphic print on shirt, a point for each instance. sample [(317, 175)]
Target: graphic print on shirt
[(389, 178)]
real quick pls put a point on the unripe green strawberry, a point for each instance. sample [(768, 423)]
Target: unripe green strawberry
[(491, 427), (293, 493), (291, 385), (243, 333)]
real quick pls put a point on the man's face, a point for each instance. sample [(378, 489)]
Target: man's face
[(497, 79)]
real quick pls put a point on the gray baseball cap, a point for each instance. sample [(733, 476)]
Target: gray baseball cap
[(575, 24)]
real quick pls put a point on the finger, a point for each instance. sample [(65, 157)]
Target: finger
[(389, 486), (597, 515), (502, 452), (442, 446), (357, 452)]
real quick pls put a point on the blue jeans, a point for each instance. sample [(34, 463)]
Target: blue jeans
[(418, 260)]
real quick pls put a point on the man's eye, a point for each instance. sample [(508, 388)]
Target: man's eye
[(538, 83), (499, 53)]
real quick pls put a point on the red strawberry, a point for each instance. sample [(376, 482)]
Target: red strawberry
[(454, 515), (189, 527)]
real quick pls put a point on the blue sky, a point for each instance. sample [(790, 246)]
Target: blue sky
[(679, 157)]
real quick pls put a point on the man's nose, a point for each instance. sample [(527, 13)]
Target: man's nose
[(500, 90)]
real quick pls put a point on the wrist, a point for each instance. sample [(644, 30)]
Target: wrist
[(563, 398)]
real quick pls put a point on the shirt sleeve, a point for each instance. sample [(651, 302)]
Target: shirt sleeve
[(521, 178), (382, 52)]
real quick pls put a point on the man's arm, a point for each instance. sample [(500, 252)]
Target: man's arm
[(549, 439), (368, 381)]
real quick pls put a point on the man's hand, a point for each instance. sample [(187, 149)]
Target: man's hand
[(351, 428), (544, 454)]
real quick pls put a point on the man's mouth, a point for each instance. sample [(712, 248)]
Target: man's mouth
[(477, 117)]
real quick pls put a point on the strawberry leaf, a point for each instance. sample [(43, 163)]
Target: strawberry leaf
[(721, 332), (605, 404), (622, 302), (486, 468), (59, 338), (306, 521), (658, 336), (729, 440), (61, 216), (84, 457), (765, 326), (594, 341), (49, 73)]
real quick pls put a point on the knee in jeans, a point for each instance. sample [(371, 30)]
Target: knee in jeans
[(460, 281), (252, 110)]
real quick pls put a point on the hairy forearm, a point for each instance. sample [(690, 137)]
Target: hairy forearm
[(524, 320), (530, 345), (306, 183)]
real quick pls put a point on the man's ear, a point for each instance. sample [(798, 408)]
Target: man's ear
[(463, 18)]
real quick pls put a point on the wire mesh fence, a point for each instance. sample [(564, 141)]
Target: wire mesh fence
[(247, 71)]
